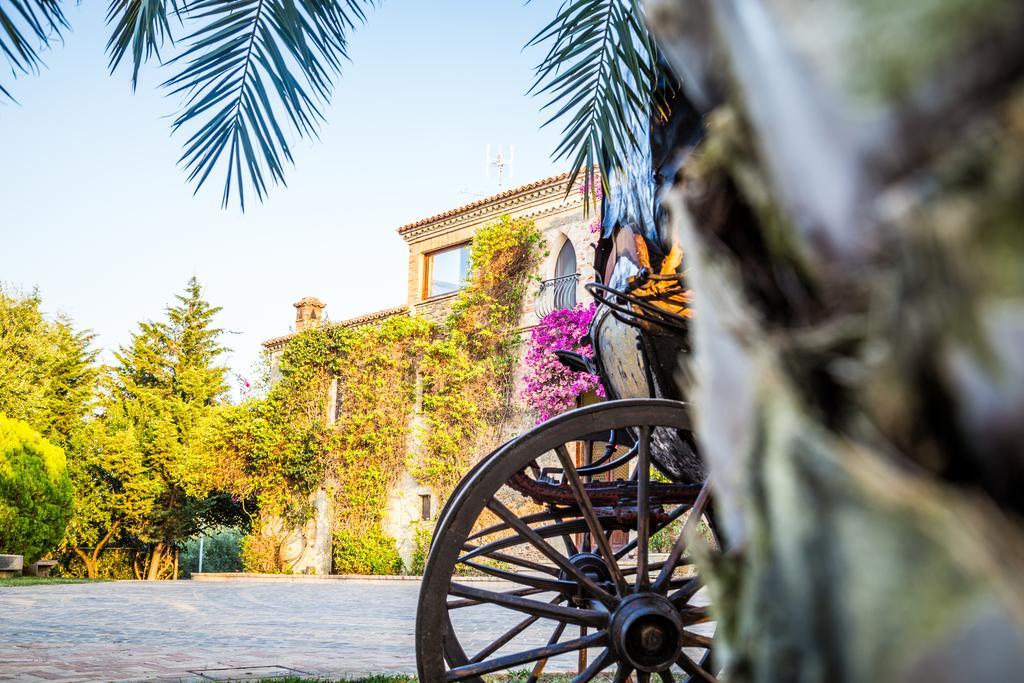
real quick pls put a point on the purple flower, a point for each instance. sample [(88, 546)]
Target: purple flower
[(550, 387)]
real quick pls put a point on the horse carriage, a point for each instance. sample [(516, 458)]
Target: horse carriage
[(552, 537)]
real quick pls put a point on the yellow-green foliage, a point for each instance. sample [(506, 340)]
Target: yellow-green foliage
[(467, 374), (423, 535), (378, 388), (115, 563), (369, 552), (35, 491), (280, 449), (263, 552)]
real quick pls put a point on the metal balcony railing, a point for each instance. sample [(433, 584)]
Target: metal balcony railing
[(556, 293)]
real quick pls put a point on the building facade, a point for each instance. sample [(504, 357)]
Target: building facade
[(437, 269)]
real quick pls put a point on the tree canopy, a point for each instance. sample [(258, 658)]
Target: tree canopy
[(142, 469), (46, 366)]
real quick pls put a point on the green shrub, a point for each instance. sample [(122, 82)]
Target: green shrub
[(35, 491), (372, 552), (222, 552)]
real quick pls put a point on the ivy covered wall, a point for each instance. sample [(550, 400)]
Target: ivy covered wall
[(417, 398)]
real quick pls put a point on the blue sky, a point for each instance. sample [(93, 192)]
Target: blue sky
[(97, 215)]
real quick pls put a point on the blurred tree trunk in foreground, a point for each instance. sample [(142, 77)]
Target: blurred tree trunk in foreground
[(854, 228)]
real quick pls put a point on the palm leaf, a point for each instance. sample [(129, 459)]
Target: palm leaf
[(598, 75), (253, 74), (140, 25), (26, 28)]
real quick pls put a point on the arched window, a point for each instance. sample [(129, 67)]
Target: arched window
[(565, 280)]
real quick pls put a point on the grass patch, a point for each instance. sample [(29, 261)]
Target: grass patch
[(42, 581)]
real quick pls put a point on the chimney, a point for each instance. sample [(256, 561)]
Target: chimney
[(308, 312)]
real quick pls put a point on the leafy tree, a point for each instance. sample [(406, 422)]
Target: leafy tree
[(158, 408), (47, 374), (49, 379), (35, 491)]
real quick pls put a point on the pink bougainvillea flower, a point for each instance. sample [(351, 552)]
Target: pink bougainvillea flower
[(550, 387)]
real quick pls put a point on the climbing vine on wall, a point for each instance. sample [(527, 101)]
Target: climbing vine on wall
[(276, 451), (467, 373)]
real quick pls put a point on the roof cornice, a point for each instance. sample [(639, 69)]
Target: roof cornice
[(278, 342), (519, 200)]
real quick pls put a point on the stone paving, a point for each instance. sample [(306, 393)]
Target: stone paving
[(231, 630), (188, 630)]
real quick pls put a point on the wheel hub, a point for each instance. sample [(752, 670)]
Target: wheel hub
[(594, 567), (645, 631)]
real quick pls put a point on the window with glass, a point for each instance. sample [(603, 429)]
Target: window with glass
[(565, 277), (447, 270)]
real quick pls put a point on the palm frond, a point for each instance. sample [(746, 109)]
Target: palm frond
[(599, 75), (26, 28), (140, 25), (252, 69)]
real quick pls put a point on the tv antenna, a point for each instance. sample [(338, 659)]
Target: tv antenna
[(499, 162)]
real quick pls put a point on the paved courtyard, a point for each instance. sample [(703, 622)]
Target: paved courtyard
[(231, 630), (196, 630)]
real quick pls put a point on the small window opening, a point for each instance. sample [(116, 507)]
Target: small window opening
[(425, 511), (447, 270)]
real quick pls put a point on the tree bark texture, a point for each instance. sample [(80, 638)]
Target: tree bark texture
[(156, 559), (853, 224)]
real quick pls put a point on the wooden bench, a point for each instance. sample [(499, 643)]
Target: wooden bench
[(11, 566)]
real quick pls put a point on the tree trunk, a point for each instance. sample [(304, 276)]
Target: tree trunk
[(89, 561), (852, 226), (155, 561)]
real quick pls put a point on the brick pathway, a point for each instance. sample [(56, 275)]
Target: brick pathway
[(171, 630)]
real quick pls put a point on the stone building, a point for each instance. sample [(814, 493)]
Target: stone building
[(437, 268)]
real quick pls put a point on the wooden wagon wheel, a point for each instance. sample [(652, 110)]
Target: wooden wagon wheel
[(523, 574)]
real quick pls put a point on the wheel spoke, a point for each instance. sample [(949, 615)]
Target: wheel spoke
[(684, 594), (694, 615), (529, 519), (667, 677), (502, 557), (538, 668), (544, 547), (509, 635), (690, 639), (622, 674), (548, 531), (590, 515), (572, 615), (535, 581), (461, 673), (643, 508), (696, 512), (457, 604), (600, 663), (643, 677), (696, 671)]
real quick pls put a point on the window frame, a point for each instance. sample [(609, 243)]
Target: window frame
[(428, 268)]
